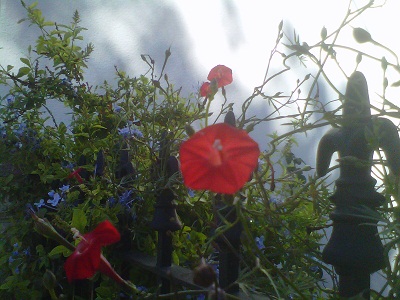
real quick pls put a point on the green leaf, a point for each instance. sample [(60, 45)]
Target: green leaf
[(25, 61), (99, 126), (60, 250), (175, 258), (8, 283), (79, 219), (48, 23), (23, 71), (82, 134), (396, 84), (9, 68)]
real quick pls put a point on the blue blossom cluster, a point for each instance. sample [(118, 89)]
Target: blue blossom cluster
[(130, 131), (17, 256), (125, 200), (22, 135), (55, 198), (10, 106)]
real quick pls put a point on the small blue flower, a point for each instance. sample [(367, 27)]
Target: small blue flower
[(190, 193), (70, 166), (11, 260), (20, 130), (27, 252), (64, 188), (117, 108), (15, 245), (111, 202), (277, 200), (10, 100), (40, 203), (128, 132), (56, 198), (260, 242), (142, 288), (216, 269), (125, 199)]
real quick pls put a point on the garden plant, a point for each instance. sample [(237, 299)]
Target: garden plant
[(77, 198)]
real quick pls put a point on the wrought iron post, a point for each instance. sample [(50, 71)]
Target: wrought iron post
[(354, 248), (229, 245), (165, 221), (229, 241)]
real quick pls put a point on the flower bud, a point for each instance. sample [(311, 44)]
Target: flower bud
[(361, 35), (204, 275), (189, 130), (384, 63), (250, 127), (230, 118), (45, 228), (324, 33), (359, 58)]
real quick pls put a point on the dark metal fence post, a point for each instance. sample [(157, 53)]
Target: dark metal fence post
[(229, 246), (165, 221), (355, 248)]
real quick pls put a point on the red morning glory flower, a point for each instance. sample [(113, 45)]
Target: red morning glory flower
[(87, 259), (205, 89), (219, 76), (219, 158), (222, 74)]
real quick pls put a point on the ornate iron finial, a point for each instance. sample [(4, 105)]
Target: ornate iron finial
[(355, 249)]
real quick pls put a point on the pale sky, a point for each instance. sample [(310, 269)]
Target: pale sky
[(239, 34)]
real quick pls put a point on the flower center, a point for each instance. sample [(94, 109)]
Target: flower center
[(216, 155)]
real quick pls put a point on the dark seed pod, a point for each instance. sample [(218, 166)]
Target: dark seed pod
[(204, 275), (230, 118)]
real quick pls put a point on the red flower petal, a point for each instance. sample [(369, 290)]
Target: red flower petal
[(222, 74), (83, 263), (85, 260), (104, 234), (205, 89), (219, 158)]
